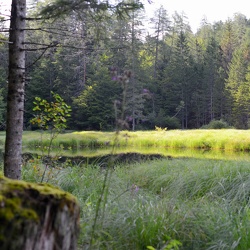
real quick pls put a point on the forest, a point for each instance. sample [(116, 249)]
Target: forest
[(133, 170), (179, 80)]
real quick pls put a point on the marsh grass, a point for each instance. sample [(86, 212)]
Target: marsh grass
[(223, 139), (204, 204)]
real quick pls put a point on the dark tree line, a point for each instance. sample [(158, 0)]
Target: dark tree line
[(179, 79), (18, 69)]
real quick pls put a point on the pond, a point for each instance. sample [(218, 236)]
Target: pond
[(130, 154)]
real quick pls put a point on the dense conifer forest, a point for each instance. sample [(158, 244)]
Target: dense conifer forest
[(179, 79)]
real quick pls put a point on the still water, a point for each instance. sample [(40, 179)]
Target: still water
[(161, 152)]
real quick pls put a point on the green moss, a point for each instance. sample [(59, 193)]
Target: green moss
[(23, 200), (11, 208), (24, 207), (41, 189)]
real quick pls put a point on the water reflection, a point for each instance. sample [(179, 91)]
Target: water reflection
[(167, 152)]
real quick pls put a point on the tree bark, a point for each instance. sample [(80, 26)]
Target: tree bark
[(37, 217), (15, 97)]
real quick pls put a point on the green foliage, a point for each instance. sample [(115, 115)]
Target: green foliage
[(51, 116), (170, 245), (93, 108), (172, 123), (238, 86), (182, 70), (162, 120), (216, 124), (59, 8), (207, 72)]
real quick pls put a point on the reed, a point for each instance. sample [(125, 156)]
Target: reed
[(210, 199), (204, 204)]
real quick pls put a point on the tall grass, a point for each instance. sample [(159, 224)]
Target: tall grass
[(224, 139), (204, 204)]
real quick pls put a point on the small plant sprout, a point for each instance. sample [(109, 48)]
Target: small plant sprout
[(134, 189), (159, 129)]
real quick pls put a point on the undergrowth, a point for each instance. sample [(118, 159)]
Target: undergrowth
[(201, 204)]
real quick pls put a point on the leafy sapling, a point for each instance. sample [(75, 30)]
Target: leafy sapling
[(52, 117)]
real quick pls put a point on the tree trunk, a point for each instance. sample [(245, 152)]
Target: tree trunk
[(15, 98), (37, 217)]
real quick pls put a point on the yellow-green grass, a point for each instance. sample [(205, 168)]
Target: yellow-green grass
[(224, 139)]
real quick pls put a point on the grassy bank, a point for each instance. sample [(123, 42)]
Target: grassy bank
[(224, 139), (204, 204)]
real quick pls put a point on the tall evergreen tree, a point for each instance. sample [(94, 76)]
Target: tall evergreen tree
[(237, 86), (228, 43), (94, 109), (212, 80), (161, 29), (15, 98)]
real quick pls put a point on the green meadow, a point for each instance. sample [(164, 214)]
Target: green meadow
[(210, 144), (197, 199), (223, 139)]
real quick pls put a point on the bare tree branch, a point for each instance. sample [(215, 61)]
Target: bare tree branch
[(5, 41)]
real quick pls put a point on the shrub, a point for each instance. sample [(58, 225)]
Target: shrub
[(216, 124), (167, 122), (172, 123)]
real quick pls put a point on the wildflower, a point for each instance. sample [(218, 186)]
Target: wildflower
[(134, 189), (113, 71)]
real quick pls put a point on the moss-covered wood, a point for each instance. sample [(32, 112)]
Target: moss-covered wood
[(37, 217)]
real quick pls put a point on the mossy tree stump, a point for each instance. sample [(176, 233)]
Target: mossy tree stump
[(37, 217)]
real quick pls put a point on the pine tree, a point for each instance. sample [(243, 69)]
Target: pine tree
[(237, 86), (15, 98)]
